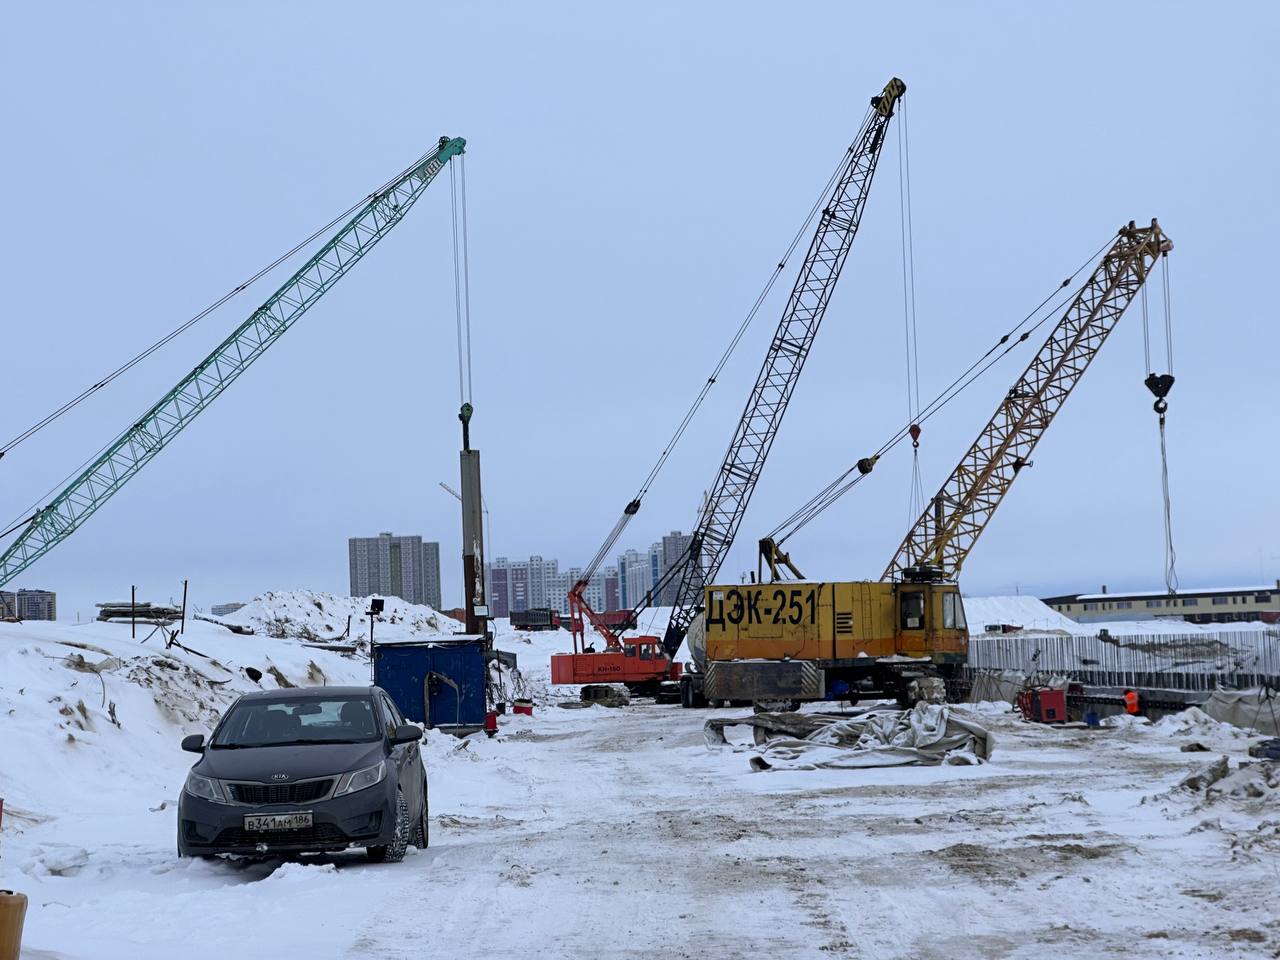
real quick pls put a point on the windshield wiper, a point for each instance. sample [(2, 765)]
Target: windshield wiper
[(283, 743)]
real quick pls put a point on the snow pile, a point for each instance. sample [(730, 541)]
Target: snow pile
[(90, 706), (1249, 781), (1191, 722), (1125, 721), (1026, 612), (306, 615), (1194, 721)]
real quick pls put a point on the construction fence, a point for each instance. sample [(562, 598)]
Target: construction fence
[(1203, 661)]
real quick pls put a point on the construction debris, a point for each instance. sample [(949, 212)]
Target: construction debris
[(143, 612), (240, 628), (600, 694), (929, 733), (1206, 776)]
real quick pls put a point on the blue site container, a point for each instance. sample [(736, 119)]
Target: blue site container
[(439, 684)]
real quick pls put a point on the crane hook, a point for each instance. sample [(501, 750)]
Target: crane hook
[(1160, 384)]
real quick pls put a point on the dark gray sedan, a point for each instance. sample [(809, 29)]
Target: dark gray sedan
[(306, 770)]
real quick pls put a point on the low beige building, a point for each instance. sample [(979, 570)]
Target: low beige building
[(1209, 605)]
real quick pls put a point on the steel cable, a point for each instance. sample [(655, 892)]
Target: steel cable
[(1170, 555), (683, 425), (386, 185), (457, 281), (842, 484), (466, 271)]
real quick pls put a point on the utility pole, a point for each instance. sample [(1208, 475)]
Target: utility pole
[(477, 606), (376, 606)]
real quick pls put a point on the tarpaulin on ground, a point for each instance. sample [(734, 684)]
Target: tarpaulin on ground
[(997, 685), (930, 733), (1256, 709)]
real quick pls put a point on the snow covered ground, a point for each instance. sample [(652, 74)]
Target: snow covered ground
[(615, 832)]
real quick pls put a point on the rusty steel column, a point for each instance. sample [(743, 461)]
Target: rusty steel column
[(472, 531)]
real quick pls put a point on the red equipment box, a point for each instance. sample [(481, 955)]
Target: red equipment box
[(1043, 705)]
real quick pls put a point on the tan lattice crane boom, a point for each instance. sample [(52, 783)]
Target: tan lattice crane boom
[(937, 544)]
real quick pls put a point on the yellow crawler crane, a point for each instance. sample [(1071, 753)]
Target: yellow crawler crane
[(903, 635)]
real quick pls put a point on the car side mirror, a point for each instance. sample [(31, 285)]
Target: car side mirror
[(406, 733), (194, 743)]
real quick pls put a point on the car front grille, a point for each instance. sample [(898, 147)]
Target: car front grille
[(321, 833), (256, 793)]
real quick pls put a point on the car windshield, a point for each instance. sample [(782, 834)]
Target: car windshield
[(262, 723)]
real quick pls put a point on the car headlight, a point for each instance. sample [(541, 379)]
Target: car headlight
[(361, 779), (205, 788)]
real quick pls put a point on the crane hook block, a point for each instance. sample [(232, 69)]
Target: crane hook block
[(914, 430), (1160, 384)]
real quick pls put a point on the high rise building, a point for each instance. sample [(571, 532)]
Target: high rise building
[(675, 550), (498, 575), (518, 585), (519, 596), (636, 577), (29, 604), (612, 598), (431, 574), (558, 589), (391, 566), (543, 575)]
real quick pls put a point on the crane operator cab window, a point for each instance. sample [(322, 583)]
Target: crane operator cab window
[(953, 612), (911, 610)]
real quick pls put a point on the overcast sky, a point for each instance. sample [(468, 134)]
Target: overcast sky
[(632, 179)]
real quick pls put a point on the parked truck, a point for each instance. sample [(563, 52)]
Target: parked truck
[(537, 618)]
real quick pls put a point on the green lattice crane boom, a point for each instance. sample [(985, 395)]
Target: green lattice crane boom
[(140, 443)]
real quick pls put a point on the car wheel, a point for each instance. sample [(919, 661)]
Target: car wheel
[(422, 833), (394, 852)]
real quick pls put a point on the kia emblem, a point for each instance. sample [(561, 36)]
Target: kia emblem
[(279, 776)]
